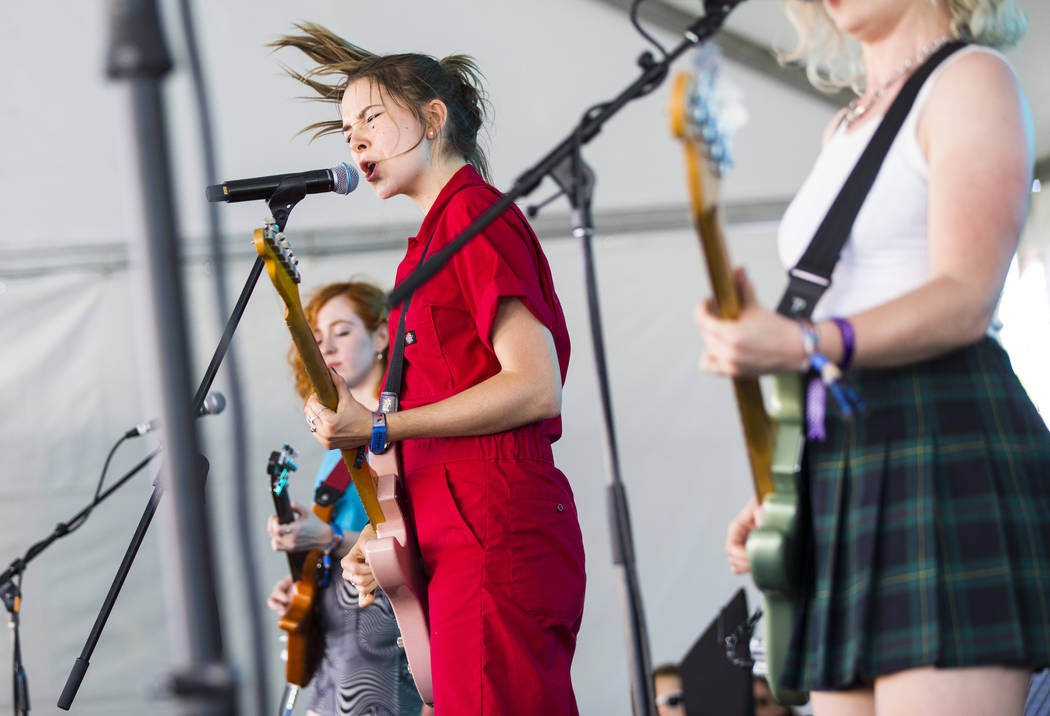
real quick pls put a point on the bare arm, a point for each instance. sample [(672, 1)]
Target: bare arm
[(526, 389), (976, 135)]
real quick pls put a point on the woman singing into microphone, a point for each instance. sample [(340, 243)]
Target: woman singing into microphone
[(485, 358)]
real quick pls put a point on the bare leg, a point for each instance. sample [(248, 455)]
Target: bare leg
[(858, 702), (977, 691)]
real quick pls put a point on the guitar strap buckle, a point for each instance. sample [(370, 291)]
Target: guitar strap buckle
[(388, 402)]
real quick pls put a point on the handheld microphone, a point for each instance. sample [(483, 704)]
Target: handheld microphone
[(214, 403), (341, 179)]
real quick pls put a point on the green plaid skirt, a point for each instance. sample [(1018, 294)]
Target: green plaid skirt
[(930, 526)]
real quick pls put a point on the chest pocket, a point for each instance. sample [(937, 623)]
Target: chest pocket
[(427, 373)]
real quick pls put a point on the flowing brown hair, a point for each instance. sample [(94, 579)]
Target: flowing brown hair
[(369, 303), (412, 80)]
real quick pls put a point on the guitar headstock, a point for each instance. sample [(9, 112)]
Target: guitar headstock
[(281, 263), (706, 111), (280, 466)]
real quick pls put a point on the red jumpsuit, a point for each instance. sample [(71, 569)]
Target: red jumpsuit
[(495, 519)]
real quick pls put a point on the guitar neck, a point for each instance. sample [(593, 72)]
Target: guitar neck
[(321, 379), (758, 428), (282, 505)]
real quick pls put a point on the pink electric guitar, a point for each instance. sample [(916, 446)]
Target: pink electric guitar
[(394, 555)]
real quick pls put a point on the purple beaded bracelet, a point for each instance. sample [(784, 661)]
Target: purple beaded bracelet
[(849, 340)]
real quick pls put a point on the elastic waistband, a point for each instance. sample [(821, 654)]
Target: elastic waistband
[(524, 443)]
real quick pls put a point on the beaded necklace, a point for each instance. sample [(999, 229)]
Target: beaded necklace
[(857, 109)]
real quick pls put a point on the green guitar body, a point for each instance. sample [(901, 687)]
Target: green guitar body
[(773, 549)]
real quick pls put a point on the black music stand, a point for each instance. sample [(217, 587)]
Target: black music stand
[(711, 684)]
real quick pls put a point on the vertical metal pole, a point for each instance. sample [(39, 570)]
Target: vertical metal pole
[(577, 181), (138, 55)]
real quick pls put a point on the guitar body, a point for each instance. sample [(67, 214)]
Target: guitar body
[(395, 562), (774, 437), (774, 549), (305, 642)]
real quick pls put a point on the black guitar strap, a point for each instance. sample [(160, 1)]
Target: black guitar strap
[(389, 398), (811, 277)]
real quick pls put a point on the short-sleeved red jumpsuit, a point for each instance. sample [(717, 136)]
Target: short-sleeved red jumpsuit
[(495, 519)]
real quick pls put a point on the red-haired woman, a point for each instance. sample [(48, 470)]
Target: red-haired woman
[(486, 354)]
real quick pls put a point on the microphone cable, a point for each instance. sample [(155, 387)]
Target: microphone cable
[(79, 522), (635, 4)]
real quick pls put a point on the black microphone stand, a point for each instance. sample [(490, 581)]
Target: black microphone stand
[(11, 584), (284, 199), (576, 180), (11, 594), (80, 665), (565, 165)]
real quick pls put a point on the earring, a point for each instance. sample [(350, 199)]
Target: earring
[(430, 134), (379, 357)]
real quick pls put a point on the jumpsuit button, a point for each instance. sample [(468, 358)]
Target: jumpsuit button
[(561, 507)]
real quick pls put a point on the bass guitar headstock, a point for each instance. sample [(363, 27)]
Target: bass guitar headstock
[(705, 113)]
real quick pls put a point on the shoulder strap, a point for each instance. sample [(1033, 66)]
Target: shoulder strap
[(811, 277), (389, 397)]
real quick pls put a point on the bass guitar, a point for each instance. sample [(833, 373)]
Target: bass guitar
[(393, 555), (774, 439), (304, 645)]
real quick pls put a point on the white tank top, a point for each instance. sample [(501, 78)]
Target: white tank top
[(887, 253)]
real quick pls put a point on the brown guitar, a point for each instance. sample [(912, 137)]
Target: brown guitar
[(305, 644)]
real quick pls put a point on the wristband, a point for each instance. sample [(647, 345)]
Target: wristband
[(809, 342), (337, 538), (849, 340), (378, 444)]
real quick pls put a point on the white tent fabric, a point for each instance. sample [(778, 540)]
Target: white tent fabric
[(69, 344)]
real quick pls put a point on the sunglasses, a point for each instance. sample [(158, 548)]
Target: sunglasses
[(674, 698)]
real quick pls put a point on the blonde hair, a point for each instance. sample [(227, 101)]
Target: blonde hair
[(412, 80), (832, 62)]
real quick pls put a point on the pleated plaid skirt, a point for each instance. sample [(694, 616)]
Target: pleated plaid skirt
[(929, 526)]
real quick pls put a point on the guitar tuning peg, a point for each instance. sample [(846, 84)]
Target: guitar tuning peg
[(283, 638)]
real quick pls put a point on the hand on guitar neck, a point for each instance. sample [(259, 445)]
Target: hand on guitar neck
[(347, 428), (756, 342), (307, 532)]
